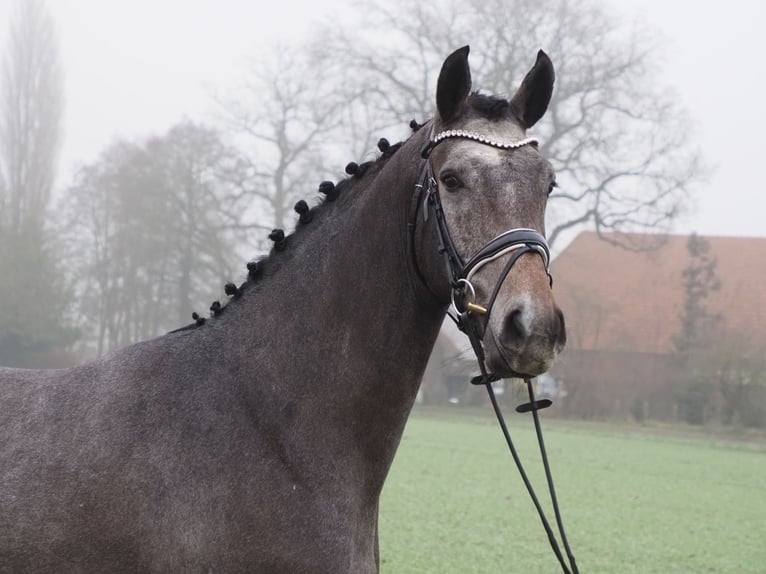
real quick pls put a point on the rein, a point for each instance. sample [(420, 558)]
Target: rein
[(464, 309)]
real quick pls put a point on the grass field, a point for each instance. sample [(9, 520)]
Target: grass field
[(632, 502)]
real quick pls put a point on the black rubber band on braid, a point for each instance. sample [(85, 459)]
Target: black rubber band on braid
[(253, 270), (302, 209), (415, 126), (232, 290), (329, 190), (279, 239)]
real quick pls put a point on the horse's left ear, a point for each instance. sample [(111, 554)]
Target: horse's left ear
[(454, 84), (533, 96)]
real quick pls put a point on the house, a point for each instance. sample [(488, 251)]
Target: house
[(623, 309)]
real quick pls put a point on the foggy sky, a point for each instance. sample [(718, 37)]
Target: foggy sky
[(136, 67)]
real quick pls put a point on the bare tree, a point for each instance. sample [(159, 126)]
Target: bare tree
[(153, 233), (619, 142), (281, 117), (30, 118)]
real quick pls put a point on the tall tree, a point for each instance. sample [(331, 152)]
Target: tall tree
[(33, 315), (718, 366), (154, 227), (30, 118), (696, 356), (699, 280)]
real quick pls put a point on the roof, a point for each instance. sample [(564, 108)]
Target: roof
[(615, 299)]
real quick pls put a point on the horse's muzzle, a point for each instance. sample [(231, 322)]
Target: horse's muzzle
[(526, 340)]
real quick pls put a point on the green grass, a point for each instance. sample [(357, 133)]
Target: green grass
[(631, 502)]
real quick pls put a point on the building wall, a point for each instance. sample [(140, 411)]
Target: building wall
[(618, 384)]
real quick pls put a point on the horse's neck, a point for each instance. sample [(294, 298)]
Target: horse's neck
[(338, 330)]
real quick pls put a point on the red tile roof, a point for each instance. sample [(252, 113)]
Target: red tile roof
[(615, 299)]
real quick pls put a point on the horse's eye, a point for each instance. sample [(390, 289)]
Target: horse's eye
[(552, 186), (451, 182)]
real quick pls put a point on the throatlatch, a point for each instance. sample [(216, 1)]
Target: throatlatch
[(464, 308)]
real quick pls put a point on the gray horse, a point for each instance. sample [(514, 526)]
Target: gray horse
[(259, 440)]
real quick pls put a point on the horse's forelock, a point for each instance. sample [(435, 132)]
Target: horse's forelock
[(490, 107)]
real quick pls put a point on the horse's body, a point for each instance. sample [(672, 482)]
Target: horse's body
[(260, 440)]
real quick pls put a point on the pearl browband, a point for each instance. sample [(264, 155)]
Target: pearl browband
[(464, 134), (481, 139)]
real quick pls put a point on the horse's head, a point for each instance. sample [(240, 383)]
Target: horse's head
[(491, 184)]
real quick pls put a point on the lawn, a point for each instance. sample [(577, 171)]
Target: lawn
[(632, 502)]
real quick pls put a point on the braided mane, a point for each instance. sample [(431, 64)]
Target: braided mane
[(490, 107), (359, 175)]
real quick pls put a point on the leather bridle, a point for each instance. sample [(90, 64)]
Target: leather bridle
[(464, 309)]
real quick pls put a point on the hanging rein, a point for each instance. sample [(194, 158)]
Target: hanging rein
[(467, 313)]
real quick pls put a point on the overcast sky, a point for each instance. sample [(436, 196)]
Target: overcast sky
[(135, 67)]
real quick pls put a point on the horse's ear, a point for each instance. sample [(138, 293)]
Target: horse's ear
[(533, 96), (454, 84)]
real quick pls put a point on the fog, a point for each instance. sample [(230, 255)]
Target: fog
[(132, 70), (138, 67), (193, 131)]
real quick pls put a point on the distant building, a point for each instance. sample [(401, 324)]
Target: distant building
[(623, 309)]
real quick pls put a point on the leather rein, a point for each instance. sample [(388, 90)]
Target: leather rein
[(464, 310)]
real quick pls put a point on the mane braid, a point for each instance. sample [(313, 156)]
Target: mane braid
[(359, 174)]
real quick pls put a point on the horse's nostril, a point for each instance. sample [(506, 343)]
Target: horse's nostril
[(514, 331)]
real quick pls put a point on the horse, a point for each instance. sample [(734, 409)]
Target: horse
[(258, 439)]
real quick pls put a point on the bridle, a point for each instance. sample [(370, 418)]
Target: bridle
[(464, 309), (460, 272)]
